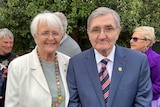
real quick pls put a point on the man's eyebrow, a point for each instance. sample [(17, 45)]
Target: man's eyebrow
[(95, 27), (108, 26)]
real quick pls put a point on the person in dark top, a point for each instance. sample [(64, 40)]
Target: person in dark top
[(6, 45)]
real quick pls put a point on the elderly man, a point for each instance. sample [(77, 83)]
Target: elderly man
[(108, 75)]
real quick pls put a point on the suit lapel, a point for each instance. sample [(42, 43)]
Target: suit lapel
[(36, 71), (63, 71), (118, 67), (38, 75), (93, 75)]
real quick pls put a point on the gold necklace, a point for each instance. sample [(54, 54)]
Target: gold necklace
[(57, 72)]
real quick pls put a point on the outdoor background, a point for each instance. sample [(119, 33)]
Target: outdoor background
[(16, 15)]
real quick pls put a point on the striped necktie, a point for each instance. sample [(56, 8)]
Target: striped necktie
[(104, 78)]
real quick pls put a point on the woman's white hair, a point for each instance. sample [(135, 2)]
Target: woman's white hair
[(148, 33), (49, 18), (6, 32)]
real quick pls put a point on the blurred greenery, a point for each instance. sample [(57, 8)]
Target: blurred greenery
[(16, 15)]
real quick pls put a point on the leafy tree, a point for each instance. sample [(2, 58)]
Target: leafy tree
[(17, 15), (135, 13)]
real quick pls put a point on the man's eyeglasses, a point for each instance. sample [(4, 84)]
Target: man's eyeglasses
[(135, 39), (107, 30)]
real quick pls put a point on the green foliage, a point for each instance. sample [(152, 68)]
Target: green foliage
[(135, 13), (17, 15)]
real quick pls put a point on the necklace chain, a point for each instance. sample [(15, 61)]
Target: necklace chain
[(58, 82)]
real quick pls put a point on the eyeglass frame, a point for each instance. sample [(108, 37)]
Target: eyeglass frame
[(47, 34), (106, 30), (135, 39)]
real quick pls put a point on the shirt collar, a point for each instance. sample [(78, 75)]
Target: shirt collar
[(99, 57)]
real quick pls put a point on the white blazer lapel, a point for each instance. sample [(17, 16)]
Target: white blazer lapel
[(37, 72), (63, 71)]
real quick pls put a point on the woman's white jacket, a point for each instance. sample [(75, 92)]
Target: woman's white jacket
[(26, 83)]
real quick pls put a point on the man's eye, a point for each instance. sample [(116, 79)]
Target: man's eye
[(109, 29), (95, 30)]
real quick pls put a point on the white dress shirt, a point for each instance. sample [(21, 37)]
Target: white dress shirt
[(109, 65)]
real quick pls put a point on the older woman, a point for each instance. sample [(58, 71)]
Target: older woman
[(6, 56), (142, 40), (38, 79)]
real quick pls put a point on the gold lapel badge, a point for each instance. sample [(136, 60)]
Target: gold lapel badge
[(119, 69)]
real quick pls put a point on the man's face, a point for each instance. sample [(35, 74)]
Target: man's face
[(6, 45), (103, 33)]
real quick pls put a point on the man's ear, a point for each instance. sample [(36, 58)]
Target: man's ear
[(120, 29)]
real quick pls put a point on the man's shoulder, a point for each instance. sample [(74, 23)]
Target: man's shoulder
[(70, 40), (84, 54), (130, 51), (130, 55)]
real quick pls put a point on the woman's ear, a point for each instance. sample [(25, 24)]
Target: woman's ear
[(35, 39), (148, 43), (62, 36)]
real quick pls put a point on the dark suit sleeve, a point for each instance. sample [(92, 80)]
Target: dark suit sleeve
[(144, 92), (74, 100)]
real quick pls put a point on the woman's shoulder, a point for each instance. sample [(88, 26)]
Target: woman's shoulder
[(63, 56), (20, 59)]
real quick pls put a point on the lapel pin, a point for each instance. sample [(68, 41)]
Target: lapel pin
[(119, 69)]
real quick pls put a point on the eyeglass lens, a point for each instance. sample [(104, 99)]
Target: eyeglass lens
[(135, 39)]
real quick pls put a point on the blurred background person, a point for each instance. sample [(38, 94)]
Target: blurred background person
[(38, 79), (142, 40), (68, 45), (6, 45)]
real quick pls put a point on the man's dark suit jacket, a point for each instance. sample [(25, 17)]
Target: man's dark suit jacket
[(130, 86)]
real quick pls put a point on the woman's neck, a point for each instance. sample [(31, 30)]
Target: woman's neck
[(48, 57)]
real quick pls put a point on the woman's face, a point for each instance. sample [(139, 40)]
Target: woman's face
[(48, 38), (138, 42), (6, 45)]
